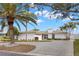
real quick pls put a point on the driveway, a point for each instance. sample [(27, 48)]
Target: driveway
[(54, 48), (11, 54)]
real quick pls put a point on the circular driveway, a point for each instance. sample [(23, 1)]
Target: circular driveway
[(10, 54), (54, 48)]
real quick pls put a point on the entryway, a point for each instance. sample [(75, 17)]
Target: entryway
[(36, 38)]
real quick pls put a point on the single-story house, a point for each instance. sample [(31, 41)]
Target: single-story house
[(41, 35)]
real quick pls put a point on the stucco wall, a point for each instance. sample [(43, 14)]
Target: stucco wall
[(23, 37), (39, 37), (29, 37), (60, 36), (32, 36), (49, 35)]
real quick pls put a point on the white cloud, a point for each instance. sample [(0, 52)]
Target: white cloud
[(52, 16), (44, 12), (67, 18), (40, 13), (39, 21), (46, 15), (49, 15)]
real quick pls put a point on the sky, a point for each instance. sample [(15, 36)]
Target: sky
[(44, 21)]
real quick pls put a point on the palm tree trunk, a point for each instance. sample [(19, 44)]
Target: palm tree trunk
[(11, 32), (17, 36), (11, 36), (67, 35)]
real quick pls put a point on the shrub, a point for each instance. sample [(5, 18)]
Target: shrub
[(49, 39), (59, 39)]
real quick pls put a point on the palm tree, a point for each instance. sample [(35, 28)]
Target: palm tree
[(68, 28), (35, 29), (10, 13), (16, 32), (66, 9)]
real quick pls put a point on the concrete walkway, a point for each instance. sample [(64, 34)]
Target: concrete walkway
[(54, 48)]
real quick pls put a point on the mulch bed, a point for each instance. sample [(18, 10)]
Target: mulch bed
[(18, 48)]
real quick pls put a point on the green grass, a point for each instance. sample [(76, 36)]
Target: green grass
[(4, 39), (76, 48)]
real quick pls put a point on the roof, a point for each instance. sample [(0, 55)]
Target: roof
[(43, 32), (35, 32)]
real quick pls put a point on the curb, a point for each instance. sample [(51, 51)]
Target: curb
[(29, 54)]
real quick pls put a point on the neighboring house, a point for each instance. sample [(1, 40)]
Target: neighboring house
[(42, 35)]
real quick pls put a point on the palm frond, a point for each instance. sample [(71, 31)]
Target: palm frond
[(22, 23), (26, 18), (18, 25)]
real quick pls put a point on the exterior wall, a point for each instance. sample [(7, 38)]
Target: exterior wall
[(60, 36), (50, 36), (39, 37), (23, 37), (30, 36)]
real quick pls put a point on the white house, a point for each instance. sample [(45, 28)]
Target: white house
[(42, 35)]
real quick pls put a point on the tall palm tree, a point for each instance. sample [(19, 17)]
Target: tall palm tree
[(66, 9), (16, 32), (10, 13), (24, 13), (68, 28)]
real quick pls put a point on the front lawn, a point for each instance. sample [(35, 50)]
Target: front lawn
[(18, 48), (76, 47)]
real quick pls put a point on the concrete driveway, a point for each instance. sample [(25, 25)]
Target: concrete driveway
[(54, 48), (11, 54)]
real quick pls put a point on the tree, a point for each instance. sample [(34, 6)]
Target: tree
[(35, 29), (10, 13), (67, 10), (68, 27), (16, 32)]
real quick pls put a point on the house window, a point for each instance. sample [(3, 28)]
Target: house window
[(45, 36)]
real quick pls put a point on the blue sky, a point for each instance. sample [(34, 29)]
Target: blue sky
[(44, 21)]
